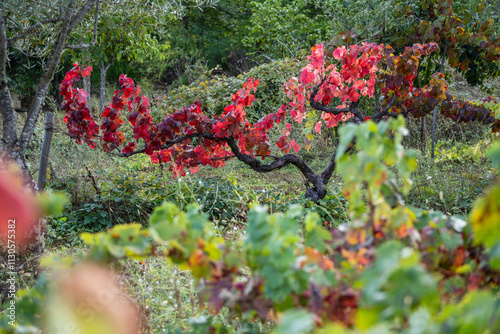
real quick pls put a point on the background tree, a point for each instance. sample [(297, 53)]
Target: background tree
[(200, 42), (116, 39), (18, 21), (280, 29), (468, 40)]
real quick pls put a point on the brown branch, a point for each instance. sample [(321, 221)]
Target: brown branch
[(319, 106), (281, 162), (385, 112), (84, 10), (94, 183), (327, 173), (352, 108), (252, 162), (358, 115), (335, 111), (167, 144), (316, 192)]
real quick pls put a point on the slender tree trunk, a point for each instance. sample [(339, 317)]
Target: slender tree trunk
[(86, 83), (9, 125), (44, 155), (436, 107), (9, 148), (422, 135), (102, 91)]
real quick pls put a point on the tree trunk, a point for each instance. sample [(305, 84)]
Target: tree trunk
[(422, 135), (44, 155), (47, 75), (436, 107), (102, 92), (86, 83), (9, 146), (86, 87), (9, 126)]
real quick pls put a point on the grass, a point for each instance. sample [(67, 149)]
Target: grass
[(451, 182)]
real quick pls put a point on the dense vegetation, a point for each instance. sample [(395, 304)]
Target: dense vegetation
[(302, 166)]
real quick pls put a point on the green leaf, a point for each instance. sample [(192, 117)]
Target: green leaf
[(52, 203), (485, 218), (477, 312), (316, 235), (295, 321), (495, 256), (494, 155)]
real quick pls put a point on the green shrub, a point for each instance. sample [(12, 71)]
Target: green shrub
[(215, 93)]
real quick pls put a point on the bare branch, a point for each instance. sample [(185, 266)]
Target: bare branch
[(286, 47), (278, 163), (84, 10), (167, 144), (335, 111), (319, 106), (46, 5), (94, 41), (254, 163), (385, 111), (389, 106)]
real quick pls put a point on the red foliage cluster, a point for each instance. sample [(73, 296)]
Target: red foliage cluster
[(357, 77), (78, 118), (441, 25), (398, 81), (322, 84), (460, 111), (186, 137)]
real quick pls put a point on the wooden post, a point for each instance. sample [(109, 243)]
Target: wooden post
[(436, 107), (422, 135), (44, 155)]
